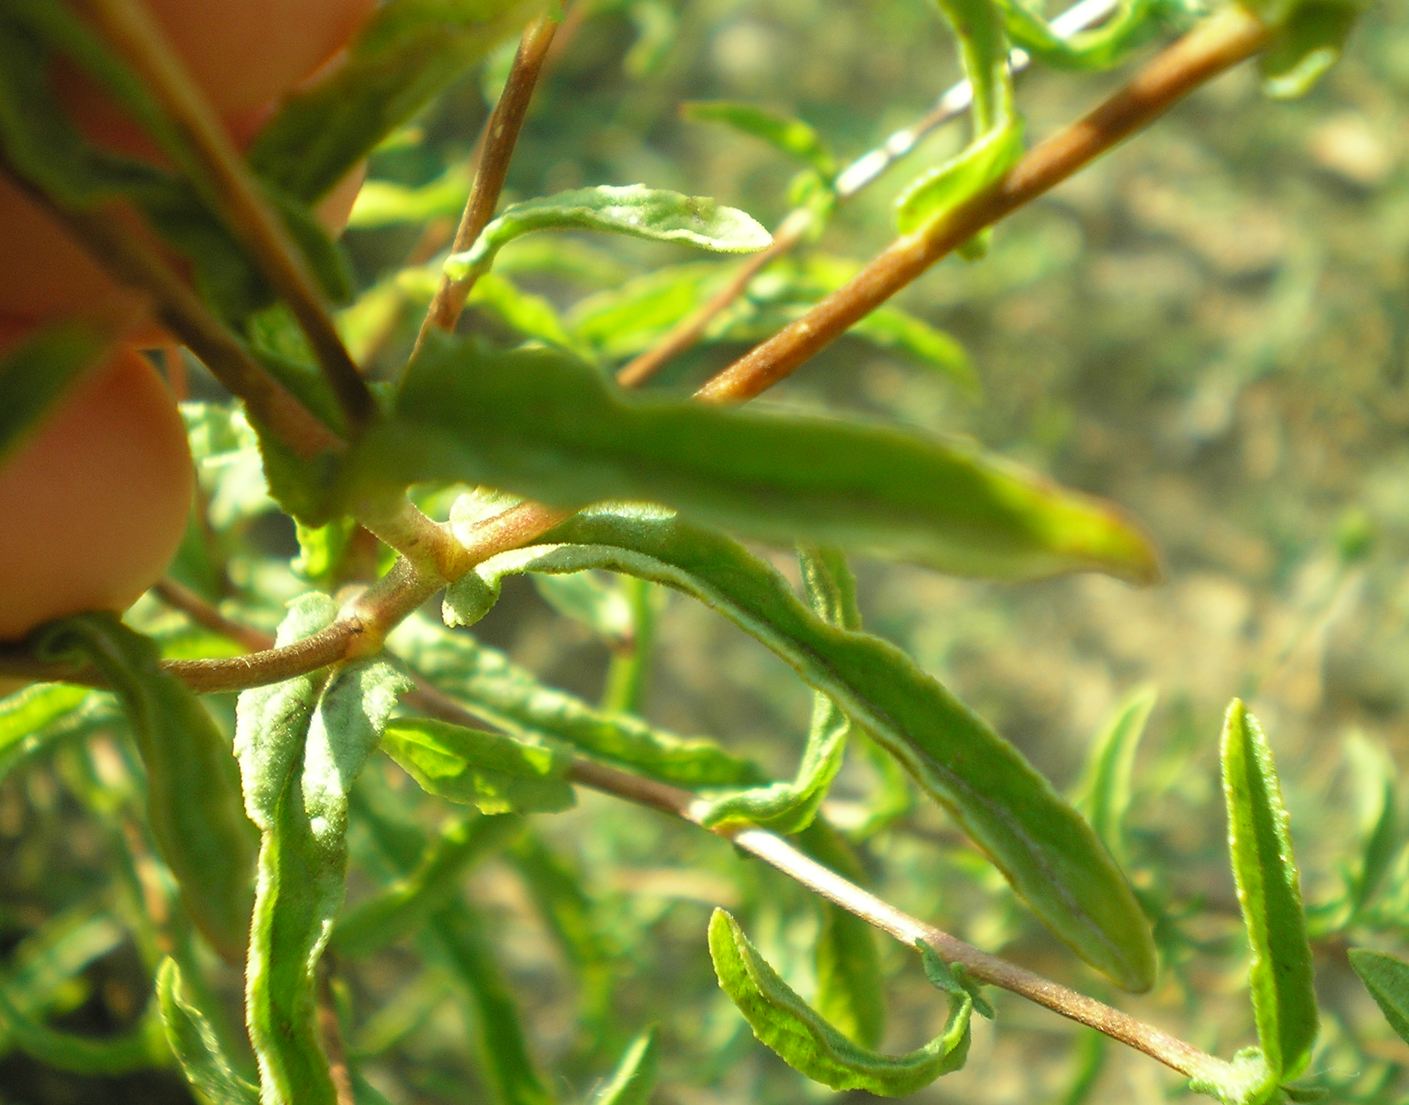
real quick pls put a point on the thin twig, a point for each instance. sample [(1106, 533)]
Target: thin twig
[(1173, 1052), (204, 614), (1214, 46), (862, 172), (1220, 42), (137, 35), (496, 150)]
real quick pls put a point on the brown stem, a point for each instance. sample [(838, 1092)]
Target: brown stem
[(862, 172), (1173, 1052), (140, 39), (497, 148), (204, 614), (1211, 48), (1219, 43)]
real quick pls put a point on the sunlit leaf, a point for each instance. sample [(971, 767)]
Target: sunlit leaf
[(997, 140), (1387, 979), (197, 1048), (193, 791), (409, 52), (1042, 845), (635, 1076), (1105, 789), (1133, 23), (807, 1043), (538, 424), (511, 698), (785, 134), (1269, 893), (494, 773), (634, 210)]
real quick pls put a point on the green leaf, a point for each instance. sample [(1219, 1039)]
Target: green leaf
[(846, 959), (631, 314), (409, 52), (790, 807), (1375, 772), (952, 978), (1269, 894), (382, 203), (1387, 979), (997, 142), (512, 699), (1105, 789), (634, 210), (537, 424), (807, 1043), (134, 1050), (35, 374), (789, 136), (456, 940), (635, 1075), (1134, 23), (34, 717), (1042, 845), (1308, 43), (494, 773), (197, 1048), (600, 604), (405, 905), (193, 792), (301, 745)]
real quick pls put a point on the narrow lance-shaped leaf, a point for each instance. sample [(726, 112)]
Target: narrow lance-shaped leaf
[(1375, 776), (409, 52), (197, 1048), (512, 698), (405, 904), (785, 134), (846, 959), (1387, 979), (1045, 849), (538, 424), (495, 773), (1134, 22), (807, 1043), (1269, 894), (635, 1075), (193, 791), (997, 127), (790, 807), (302, 744), (633, 209), (1105, 790)]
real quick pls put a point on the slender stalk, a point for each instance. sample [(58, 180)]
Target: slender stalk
[(1214, 46), (207, 616), (1173, 1052), (1217, 44), (861, 173), (496, 151), (140, 39)]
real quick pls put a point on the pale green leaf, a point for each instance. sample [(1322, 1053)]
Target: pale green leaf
[(1133, 23), (511, 698), (1269, 894), (409, 52), (35, 717), (193, 790), (197, 1048), (409, 901), (785, 134), (1105, 788), (494, 773), (1042, 845), (635, 1075), (997, 129), (1387, 979), (538, 424), (807, 1043), (634, 210)]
